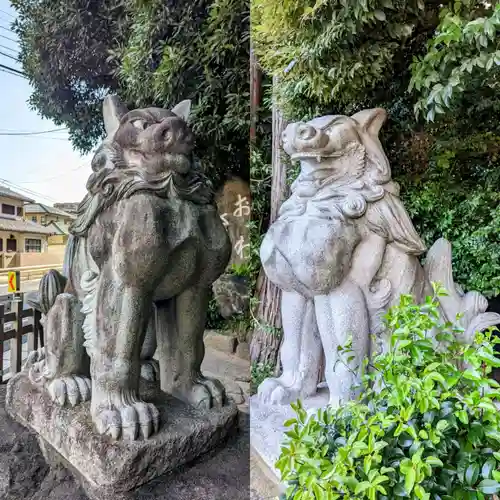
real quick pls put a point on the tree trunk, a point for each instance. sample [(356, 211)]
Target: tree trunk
[(255, 91), (266, 338)]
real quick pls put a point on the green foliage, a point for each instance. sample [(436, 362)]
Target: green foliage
[(197, 51), (259, 372), (424, 427), (463, 55), (241, 270), (150, 53), (466, 169), (332, 53), (214, 319)]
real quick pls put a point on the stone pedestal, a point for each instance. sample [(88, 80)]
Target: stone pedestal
[(267, 429), (114, 469)]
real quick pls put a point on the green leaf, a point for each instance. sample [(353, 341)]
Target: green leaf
[(442, 425), (489, 486), (493, 434), (380, 15), (434, 461), (473, 375), (488, 467), (410, 478), (488, 358), (361, 487), (472, 474)]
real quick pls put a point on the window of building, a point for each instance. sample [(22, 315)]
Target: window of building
[(1, 244), (8, 209), (20, 211), (34, 218), (43, 219), (11, 245), (57, 218), (32, 245)]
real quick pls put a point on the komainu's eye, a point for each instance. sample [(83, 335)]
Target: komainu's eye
[(140, 124)]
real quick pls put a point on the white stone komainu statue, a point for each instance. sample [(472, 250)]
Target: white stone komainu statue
[(343, 250)]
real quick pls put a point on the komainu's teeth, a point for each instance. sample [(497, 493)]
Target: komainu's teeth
[(318, 159)]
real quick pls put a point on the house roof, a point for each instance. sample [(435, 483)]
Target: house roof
[(59, 228), (40, 208), (23, 226), (8, 193)]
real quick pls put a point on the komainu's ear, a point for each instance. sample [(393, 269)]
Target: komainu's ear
[(113, 110), (371, 120), (182, 109)]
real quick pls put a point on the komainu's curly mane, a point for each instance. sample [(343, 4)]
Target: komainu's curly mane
[(113, 180)]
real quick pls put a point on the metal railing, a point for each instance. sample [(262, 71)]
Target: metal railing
[(18, 328)]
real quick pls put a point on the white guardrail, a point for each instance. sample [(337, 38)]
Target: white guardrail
[(29, 272)]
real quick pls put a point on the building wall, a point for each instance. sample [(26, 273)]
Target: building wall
[(40, 259), (18, 204), (16, 259), (58, 239), (45, 218)]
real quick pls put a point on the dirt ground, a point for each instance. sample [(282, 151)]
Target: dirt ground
[(222, 475)]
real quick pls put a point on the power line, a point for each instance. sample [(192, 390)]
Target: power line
[(8, 48), (44, 138), (8, 13), (8, 38), (14, 70), (11, 73), (5, 20), (7, 29), (10, 132), (9, 56), (54, 177), (29, 191)]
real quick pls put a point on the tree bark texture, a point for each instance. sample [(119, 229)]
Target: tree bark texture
[(266, 338), (255, 94)]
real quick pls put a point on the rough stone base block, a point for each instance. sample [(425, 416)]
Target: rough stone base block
[(113, 469), (267, 429)]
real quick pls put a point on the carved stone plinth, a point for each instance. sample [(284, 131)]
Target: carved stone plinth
[(267, 429), (111, 469)]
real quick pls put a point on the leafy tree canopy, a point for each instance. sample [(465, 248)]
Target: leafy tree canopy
[(150, 53), (463, 56)]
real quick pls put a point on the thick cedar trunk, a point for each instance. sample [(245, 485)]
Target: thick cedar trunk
[(265, 339)]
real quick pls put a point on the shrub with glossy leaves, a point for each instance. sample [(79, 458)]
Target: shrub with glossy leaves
[(431, 430)]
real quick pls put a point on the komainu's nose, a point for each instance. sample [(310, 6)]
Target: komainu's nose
[(164, 128), (306, 132)]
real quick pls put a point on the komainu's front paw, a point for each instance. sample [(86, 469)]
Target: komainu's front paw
[(273, 392), (203, 392), (150, 370), (126, 418), (70, 390)]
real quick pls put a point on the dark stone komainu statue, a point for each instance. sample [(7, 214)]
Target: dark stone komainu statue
[(143, 253)]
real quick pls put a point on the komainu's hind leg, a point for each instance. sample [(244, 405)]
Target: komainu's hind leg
[(150, 369), (300, 353), (180, 326), (63, 364), (343, 314)]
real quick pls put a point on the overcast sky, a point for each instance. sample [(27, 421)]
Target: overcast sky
[(46, 164)]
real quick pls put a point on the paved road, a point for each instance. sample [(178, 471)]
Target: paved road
[(26, 286)]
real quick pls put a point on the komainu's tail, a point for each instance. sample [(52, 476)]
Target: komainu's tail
[(471, 305)]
